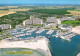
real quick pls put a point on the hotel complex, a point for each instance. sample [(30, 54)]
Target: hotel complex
[(33, 21)]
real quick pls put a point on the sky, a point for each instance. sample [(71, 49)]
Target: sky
[(73, 2)]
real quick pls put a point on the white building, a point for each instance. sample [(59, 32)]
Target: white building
[(65, 27), (51, 25), (51, 19), (27, 22), (37, 21), (58, 21), (5, 26), (67, 18), (19, 26), (32, 17)]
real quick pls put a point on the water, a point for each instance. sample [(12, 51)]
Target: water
[(61, 47)]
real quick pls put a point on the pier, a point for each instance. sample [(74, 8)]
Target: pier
[(50, 32), (23, 30), (31, 30), (67, 37), (19, 35), (40, 31)]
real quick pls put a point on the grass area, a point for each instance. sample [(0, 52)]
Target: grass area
[(74, 10), (0, 39), (3, 11), (73, 23), (4, 35), (2, 31), (38, 25), (8, 35)]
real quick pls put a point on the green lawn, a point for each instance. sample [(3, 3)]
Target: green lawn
[(73, 23), (38, 25)]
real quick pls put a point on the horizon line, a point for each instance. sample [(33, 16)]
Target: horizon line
[(37, 4)]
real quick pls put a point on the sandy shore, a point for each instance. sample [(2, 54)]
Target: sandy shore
[(39, 44), (76, 29)]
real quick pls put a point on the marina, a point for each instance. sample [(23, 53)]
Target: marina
[(63, 35)]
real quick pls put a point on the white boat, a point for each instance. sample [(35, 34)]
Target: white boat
[(28, 34), (62, 37), (55, 35), (65, 38)]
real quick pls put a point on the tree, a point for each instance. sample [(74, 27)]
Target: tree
[(0, 29)]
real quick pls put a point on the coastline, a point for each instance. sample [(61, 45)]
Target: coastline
[(41, 44)]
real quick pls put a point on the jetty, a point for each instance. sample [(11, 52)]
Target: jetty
[(23, 30), (31, 30), (40, 31), (67, 37), (50, 32), (20, 35)]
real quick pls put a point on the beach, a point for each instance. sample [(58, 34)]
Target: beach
[(41, 44)]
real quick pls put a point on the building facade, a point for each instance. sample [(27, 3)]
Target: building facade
[(38, 21), (33, 21), (51, 19), (65, 27), (5, 26), (67, 18)]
